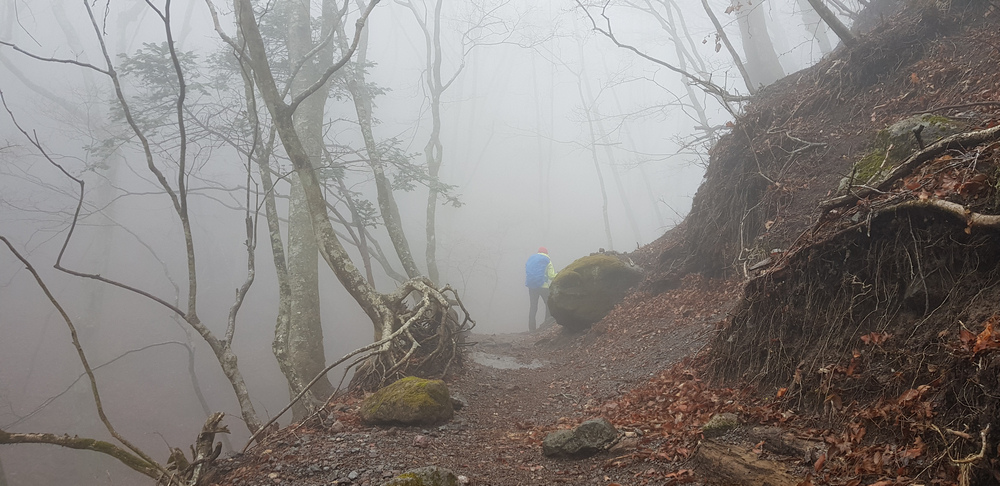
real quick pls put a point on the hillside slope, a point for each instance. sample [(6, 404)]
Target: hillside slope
[(861, 352)]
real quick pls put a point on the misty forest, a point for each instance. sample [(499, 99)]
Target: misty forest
[(295, 242)]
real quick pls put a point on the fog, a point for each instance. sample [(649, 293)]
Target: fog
[(537, 104)]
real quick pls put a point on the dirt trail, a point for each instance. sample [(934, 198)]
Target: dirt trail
[(517, 388)]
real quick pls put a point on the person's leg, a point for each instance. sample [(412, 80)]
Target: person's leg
[(544, 293), (533, 295)]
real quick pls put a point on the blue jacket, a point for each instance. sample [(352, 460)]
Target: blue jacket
[(538, 271)]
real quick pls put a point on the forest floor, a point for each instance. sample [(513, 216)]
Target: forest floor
[(517, 388)]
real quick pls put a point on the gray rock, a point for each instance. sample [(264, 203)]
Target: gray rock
[(585, 440), (458, 402), (409, 401), (425, 476), (896, 143)]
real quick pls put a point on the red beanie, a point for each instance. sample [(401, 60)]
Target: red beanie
[(542, 249)]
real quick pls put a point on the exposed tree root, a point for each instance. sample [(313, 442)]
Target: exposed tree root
[(427, 342), (879, 314), (957, 141)]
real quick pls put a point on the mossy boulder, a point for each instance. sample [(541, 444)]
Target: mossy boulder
[(425, 476), (586, 290), (409, 401), (895, 144)]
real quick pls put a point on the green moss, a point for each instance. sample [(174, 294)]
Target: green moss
[(587, 289), (895, 143), (409, 400), (601, 261), (872, 163), (425, 476)]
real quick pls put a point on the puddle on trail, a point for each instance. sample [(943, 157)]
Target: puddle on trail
[(503, 362)]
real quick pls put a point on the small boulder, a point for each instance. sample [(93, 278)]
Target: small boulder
[(586, 290), (409, 401), (719, 424), (425, 476), (895, 144), (585, 440)]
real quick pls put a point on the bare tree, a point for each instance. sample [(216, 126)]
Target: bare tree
[(815, 25), (838, 27), (391, 318), (303, 338), (721, 35), (178, 194), (428, 18), (762, 63), (702, 82)]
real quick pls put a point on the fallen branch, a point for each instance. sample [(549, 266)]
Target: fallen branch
[(82, 443), (956, 141), (972, 220)]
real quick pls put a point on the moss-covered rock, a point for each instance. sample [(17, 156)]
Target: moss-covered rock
[(409, 401), (896, 143), (586, 290), (719, 424), (425, 476)]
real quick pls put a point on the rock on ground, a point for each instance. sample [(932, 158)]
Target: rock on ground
[(586, 290), (409, 401), (585, 440), (425, 476)]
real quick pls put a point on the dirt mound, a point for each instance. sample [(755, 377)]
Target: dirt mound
[(872, 312), (799, 136)]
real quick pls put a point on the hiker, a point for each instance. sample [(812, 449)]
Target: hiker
[(538, 273)]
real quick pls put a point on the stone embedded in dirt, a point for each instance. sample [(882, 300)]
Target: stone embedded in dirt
[(425, 476), (409, 401), (719, 424), (458, 402), (586, 290), (585, 440), (894, 144), (337, 427)]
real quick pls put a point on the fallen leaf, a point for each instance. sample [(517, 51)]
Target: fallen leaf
[(820, 462)]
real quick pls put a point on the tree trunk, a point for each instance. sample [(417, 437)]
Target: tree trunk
[(813, 23), (373, 303), (752, 88), (585, 104), (433, 150), (761, 61), (356, 85), (305, 329), (838, 27)]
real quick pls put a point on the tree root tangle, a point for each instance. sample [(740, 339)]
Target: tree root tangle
[(880, 316)]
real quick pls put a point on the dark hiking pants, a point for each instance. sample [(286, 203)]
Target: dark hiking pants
[(533, 296)]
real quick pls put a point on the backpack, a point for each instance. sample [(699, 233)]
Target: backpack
[(534, 271)]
